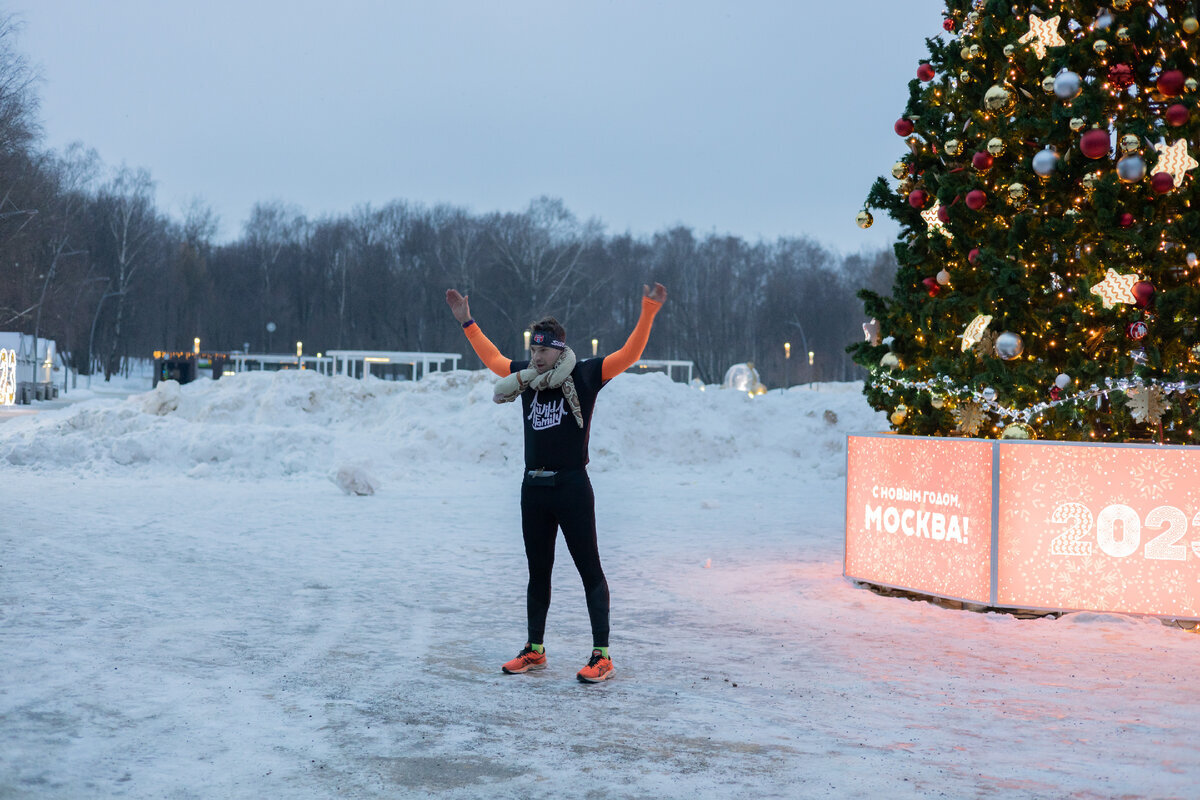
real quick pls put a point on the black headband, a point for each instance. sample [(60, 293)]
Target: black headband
[(546, 339)]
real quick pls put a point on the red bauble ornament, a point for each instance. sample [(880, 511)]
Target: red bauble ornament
[(1120, 75), (903, 127), (973, 256), (1126, 220), (917, 198), (1170, 83), (1055, 393), (1094, 143), (925, 72), (944, 213), (948, 24), (1137, 330), (1162, 182), (1177, 115), (1143, 291), (976, 199), (982, 161), (932, 286)]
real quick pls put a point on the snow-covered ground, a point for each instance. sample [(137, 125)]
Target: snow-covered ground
[(191, 607)]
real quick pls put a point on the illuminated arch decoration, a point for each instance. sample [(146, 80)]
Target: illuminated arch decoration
[(8, 377)]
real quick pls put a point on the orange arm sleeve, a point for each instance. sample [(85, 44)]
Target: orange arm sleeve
[(623, 359), (488, 353)]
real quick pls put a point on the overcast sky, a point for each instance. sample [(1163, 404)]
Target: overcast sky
[(760, 118)]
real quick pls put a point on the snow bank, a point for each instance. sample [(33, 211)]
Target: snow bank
[(300, 423)]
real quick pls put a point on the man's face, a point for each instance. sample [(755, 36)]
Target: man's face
[(543, 358)]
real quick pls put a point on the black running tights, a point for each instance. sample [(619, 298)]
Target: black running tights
[(569, 505)]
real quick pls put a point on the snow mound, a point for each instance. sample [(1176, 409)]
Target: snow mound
[(301, 423)]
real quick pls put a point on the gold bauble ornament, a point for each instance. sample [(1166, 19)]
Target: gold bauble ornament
[(1009, 50), (1018, 430), (899, 414), (1190, 25), (1048, 84), (890, 360), (999, 99), (965, 53), (1017, 192), (1100, 46), (1072, 212), (1123, 35), (976, 51), (1129, 143), (996, 146), (937, 400), (953, 147), (864, 219), (973, 17), (1090, 180), (1077, 124), (964, 77), (1121, 5), (899, 170), (905, 186), (1190, 84)]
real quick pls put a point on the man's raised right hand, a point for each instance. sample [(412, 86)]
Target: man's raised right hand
[(458, 305)]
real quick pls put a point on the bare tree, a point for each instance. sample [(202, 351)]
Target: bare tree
[(131, 221)]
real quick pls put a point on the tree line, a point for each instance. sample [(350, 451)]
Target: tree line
[(88, 258)]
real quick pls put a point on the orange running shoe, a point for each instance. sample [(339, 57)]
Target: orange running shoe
[(526, 660), (599, 668)]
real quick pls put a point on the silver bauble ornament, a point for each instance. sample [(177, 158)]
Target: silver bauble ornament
[(1063, 380), (1192, 259), (1009, 345), (1067, 85), (989, 394), (943, 277), (1044, 162), (1131, 168)]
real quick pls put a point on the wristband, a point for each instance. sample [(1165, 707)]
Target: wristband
[(468, 323)]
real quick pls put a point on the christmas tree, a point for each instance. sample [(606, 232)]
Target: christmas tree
[(1048, 282)]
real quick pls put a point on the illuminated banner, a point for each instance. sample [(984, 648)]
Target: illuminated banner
[(1078, 526), (8, 377), (1100, 528), (919, 514)]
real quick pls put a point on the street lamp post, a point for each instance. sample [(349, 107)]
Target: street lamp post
[(810, 368), (787, 357)]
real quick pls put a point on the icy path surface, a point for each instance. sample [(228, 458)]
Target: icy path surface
[(218, 620)]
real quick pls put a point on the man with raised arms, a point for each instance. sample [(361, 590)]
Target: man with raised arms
[(558, 393)]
